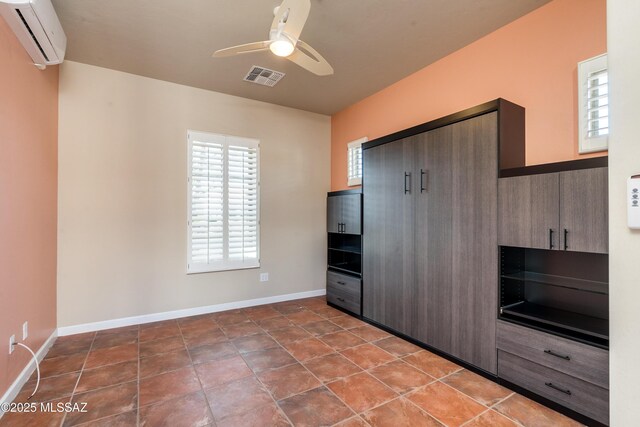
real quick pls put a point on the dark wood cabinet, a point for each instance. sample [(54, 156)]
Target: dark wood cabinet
[(553, 335), (529, 211), (344, 214), (565, 210), (388, 245), (573, 374), (430, 260), (474, 200), (344, 252), (584, 210)]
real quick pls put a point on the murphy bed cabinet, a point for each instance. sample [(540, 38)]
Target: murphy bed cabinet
[(344, 252), (430, 259)]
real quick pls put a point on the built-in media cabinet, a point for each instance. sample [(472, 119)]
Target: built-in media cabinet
[(500, 267), (553, 329), (344, 270)]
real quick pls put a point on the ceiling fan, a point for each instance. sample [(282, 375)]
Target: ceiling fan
[(284, 39)]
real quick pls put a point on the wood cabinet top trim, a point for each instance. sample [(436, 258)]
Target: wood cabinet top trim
[(591, 163), (511, 133)]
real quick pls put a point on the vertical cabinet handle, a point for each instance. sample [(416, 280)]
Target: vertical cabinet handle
[(422, 187), (560, 389), (566, 243), (551, 238), (407, 182)]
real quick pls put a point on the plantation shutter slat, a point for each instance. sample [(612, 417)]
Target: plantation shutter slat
[(224, 203), (597, 104), (354, 162), (593, 105)]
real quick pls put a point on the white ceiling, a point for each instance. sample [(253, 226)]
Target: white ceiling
[(370, 43)]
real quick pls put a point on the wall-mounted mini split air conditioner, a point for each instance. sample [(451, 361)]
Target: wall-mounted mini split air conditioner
[(38, 28)]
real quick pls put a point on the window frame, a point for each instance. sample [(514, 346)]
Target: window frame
[(356, 144), (226, 140), (588, 144)]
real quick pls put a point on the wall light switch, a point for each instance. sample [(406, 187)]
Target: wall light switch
[(25, 330), (264, 277)]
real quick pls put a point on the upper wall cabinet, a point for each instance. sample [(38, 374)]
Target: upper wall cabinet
[(584, 210), (344, 214), (529, 211), (566, 210)]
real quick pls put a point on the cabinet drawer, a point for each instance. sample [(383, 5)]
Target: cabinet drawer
[(581, 396), (343, 283), (579, 360), (346, 300)]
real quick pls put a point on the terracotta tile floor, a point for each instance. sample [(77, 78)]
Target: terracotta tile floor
[(299, 362)]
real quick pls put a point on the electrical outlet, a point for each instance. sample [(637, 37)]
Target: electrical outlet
[(12, 340), (25, 330), (264, 277)]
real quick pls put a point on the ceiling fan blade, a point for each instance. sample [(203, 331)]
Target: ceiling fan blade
[(309, 59), (296, 12), (243, 48)]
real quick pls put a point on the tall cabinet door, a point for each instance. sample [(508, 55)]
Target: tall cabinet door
[(474, 245), (584, 210), (528, 211), (433, 238), (388, 262), (351, 209)]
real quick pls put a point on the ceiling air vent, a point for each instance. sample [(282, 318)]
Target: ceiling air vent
[(263, 76)]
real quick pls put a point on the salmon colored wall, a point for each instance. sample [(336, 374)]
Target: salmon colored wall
[(531, 61), (28, 206)]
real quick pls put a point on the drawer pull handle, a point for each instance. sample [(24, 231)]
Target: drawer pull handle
[(341, 283), (557, 355), (341, 299), (560, 389)]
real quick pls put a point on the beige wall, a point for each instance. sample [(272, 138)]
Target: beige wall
[(28, 170), (624, 160), (122, 195)]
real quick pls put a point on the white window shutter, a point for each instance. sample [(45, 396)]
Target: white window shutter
[(354, 162), (224, 211), (593, 104)]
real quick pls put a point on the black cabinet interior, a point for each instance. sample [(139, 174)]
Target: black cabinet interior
[(564, 293), (344, 227), (345, 253)]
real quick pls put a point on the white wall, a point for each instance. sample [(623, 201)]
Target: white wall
[(623, 38), (122, 195)]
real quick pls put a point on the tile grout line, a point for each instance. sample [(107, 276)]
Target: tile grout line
[(75, 387), (255, 375), (399, 395), (357, 414), (193, 367), (513, 393), (322, 384)]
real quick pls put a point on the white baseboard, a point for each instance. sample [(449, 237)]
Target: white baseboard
[(168, 315), (22, 379)]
